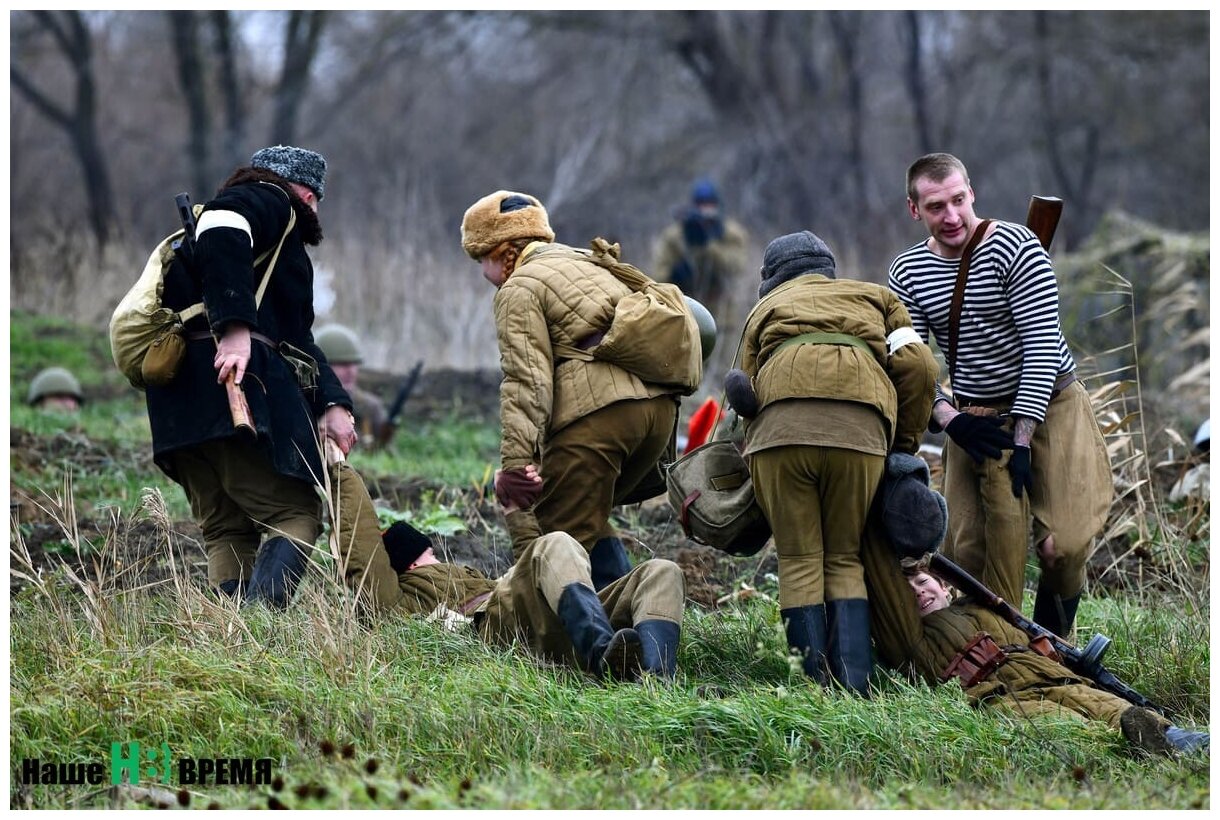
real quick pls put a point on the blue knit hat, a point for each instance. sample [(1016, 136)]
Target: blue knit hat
[(704, 190), (297, 165)]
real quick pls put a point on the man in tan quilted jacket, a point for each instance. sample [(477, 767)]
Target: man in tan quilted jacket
[(593, 429), (832, 378)]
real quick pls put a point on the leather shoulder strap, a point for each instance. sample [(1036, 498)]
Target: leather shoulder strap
[(959, 294)]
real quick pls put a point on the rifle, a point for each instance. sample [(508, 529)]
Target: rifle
[(239, 409), (404, 393), (1085, 662), (1043, 218)]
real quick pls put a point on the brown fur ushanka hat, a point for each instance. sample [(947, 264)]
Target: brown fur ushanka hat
[(500, 217)]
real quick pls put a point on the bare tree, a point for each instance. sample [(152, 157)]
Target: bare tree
[(916, 81), (301, 36), (72, 38), (230, 90), (184, 31)]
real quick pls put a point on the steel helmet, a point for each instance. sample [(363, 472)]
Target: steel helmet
[(707, 326), (340, 344), (55, 381)]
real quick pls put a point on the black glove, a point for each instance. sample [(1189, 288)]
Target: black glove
[(682, 275), (739, 393), (1020, 470), (981, 437)]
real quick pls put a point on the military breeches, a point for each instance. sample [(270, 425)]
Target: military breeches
[(989, 528), (1070, 700), (522, 606), (817, 501), (594, 462), (235, 494)]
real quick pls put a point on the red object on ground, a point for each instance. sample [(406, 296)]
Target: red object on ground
[(701, 424)]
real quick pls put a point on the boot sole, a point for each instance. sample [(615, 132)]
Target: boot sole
[(624, 656)]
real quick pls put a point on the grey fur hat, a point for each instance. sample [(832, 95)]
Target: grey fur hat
[(297, 165), (797, 253), (916, 517)]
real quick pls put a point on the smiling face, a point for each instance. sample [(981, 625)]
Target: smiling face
[(946, 206), (930, 593)]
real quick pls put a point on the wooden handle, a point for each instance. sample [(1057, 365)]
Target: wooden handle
[(239, 409), (1043, 218)]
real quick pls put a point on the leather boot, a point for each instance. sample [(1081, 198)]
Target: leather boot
[(659, 642), (1055, 613), (608, 562), (851, 649), (277, 571), (600, 649), (806, 630), (231, 588)]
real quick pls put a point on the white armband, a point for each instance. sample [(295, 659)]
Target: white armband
[(901, 337), (224, 219)]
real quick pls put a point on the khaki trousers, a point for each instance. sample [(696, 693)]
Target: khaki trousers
[(817, 501), (989, 528), (236, 495), (592, 464), (523, 604)]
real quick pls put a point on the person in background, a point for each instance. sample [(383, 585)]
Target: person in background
[(55, 389), (703, 252), (345, 355)]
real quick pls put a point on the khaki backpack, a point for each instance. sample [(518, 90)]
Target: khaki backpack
[(141, 328), (654, 333)]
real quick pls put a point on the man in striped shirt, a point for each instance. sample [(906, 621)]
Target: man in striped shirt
[(1023, 440)]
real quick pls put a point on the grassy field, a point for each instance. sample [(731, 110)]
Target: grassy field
[(113, 639)]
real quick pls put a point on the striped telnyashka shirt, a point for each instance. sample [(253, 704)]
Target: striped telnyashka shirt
[(1010, 340)]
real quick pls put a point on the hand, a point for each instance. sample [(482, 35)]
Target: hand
[(232, 353), (739, 393), (982, 437), (339, 426), (695, 230), (518, 488), (1019, 469)]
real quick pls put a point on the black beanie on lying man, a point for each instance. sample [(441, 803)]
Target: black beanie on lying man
[(405, 544)]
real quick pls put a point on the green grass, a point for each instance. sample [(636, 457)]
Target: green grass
[(455, 724), (435, 709)]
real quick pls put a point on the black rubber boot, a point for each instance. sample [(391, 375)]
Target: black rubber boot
[(659, 640), (277, 571), (231, 588), (851, 648), (600, 649), (608, 562), (1055, 613), (806, 629)]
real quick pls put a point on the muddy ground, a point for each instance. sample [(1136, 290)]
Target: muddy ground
[(649, 529)]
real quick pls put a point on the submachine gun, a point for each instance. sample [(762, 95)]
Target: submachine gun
[(1085, 662)]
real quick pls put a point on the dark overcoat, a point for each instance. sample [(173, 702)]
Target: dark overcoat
[(194, 408)]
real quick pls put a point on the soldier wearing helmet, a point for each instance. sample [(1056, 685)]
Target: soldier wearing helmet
[(55, 388), (345, 355)]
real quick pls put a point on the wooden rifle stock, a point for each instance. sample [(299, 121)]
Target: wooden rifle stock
[(239, 409), (1043, 218)]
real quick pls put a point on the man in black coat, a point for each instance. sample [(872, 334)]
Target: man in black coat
[(257, 331)]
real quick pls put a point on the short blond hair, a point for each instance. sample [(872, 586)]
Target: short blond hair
[(935, 167)]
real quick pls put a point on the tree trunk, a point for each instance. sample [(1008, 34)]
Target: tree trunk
[(184, 30), (72, 38), (300, 46), (916, 82), (234, 128)]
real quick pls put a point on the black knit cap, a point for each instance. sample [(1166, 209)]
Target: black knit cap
[(797, 253), (298, 165), (405, 544)]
